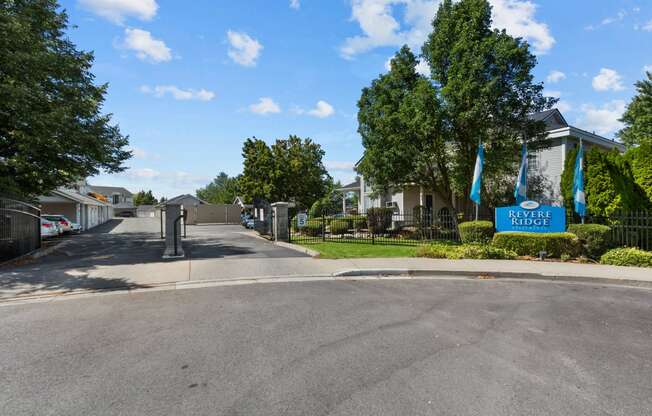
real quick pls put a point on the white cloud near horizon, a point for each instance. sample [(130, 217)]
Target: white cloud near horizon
[(380, 26), (243, 49), (608, 80), (264, 106), (339, 165), (295, 4), (147, 48), (647, 26), (140, 153), (555, 76), (116, 11), (159, 91), (604, 120), (322, 110)]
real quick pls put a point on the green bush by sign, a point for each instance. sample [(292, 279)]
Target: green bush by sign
[(531, 244), (476, 231), (595, 238), (627, 257)]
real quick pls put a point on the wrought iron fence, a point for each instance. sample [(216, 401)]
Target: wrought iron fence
[(376, 226), (20, 228)]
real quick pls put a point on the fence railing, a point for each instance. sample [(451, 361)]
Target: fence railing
[(628, 229), (381, 226), (20, 228), (378, 226)]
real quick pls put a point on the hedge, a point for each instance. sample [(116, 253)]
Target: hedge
[(312, 228), (595, 238), (476, 231), (627, 257), (531, 244), (339, 226), (379, 219), (465, 251), (359, 223)]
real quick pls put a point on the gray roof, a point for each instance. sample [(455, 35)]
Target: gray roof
[(77, 197), (109, 190), (553, 119), (179, 199), (351, 186)]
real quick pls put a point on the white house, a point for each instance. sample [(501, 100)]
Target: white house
[(82, 209), (121, 199), (549, 162)]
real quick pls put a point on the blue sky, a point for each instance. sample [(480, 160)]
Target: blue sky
[(190, 81)]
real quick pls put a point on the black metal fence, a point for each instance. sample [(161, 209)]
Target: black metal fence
[(20, 228), (385, 226), (376, 226), (628, 229)]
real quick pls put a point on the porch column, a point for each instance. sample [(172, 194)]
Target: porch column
[(422, 201), (344, 203)]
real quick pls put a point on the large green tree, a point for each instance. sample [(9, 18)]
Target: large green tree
[(638, 116), (289, 170), (145, 198), (427, 131), (222, 190), (52, 131)]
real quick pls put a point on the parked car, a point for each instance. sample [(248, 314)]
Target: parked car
[(49, 228), (62, 221), (250, 223)]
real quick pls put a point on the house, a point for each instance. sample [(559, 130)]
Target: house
[(188, 201), (120, 198), (549, 162), (87, 211)]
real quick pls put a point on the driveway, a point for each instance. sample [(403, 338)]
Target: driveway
[(128, 253), (447, 347)]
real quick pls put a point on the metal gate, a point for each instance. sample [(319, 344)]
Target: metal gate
[(20, 228), (215, 214)]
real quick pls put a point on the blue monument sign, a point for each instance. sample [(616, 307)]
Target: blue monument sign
[(531, 217)]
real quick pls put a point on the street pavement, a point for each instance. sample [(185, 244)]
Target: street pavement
[(411, 347)]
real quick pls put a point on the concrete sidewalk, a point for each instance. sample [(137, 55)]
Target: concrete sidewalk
[(142, 276)]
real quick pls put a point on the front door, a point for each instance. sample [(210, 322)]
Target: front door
[(429, 203)]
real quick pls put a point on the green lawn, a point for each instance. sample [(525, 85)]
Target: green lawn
[(331, 250)]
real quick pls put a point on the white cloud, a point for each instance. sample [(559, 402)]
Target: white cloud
[(244, 49), (555, 76), (295, 4), (648, 26), (380, 26), (517, 17), (564, 106), (140, 153), (117, 11), (608, 80), (322, 110), (177, 93), (552, 93), (146, 47), (422, 67), (335, 165), (647, 68), (618, 17), (142, 173), (265, 106), (603, 120)]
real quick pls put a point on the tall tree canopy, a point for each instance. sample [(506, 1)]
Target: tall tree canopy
[(145, 198), (52, 131), (427, 131), (638, 116), (290, 170), (222, 190)]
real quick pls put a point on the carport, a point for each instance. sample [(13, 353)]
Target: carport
[(84, 210)]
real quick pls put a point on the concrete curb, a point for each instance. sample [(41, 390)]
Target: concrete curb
[(488, 275), (300, 249), (346, 275)]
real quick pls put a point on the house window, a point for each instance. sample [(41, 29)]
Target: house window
[(116, 199)]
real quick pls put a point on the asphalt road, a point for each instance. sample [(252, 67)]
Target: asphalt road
[(418, 347)]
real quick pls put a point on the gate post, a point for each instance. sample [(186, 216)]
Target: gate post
[(173, 248), (280, 221)]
